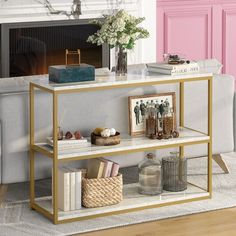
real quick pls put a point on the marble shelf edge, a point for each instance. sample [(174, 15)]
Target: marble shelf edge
[(131, 200), (103, 82), (128, 144)]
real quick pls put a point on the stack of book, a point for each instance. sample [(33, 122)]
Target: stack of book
[(67, 144), (102, 168), (180, 69), (69, 188)]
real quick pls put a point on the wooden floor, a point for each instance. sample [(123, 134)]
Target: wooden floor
[(214, 223)]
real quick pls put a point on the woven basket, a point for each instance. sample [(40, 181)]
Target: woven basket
[(102, 192)]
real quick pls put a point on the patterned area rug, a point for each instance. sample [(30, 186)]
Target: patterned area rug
[(17, 219)]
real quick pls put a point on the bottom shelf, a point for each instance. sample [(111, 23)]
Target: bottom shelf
[(132, 199)]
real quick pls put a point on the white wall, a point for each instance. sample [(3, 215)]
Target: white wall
[(12, 11)]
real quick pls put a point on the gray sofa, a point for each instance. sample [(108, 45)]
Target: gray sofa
[(103, 108)]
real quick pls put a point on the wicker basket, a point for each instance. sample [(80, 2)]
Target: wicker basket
[(102, 192)]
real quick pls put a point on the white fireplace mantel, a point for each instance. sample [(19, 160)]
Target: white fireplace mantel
[(12, 11)]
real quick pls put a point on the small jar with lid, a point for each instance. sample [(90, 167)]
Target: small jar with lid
[(151, 120), (150, 176), (168, 123)]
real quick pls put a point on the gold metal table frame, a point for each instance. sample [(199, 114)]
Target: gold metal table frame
[(53, 216)]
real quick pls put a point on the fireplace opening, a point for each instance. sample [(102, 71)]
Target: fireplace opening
[(33, 49)]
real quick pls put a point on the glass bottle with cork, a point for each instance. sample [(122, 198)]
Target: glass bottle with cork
[(150, 176)]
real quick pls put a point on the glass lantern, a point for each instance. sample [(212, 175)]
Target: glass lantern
[(174, 172)]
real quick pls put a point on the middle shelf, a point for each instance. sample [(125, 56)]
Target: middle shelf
[(128, 144)]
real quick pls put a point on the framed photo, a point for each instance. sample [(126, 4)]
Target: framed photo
[(164, 102)]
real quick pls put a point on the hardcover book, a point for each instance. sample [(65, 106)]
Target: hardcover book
[(107, 168), (95, 169), (76, 198), (64, 189), (115, 169), (72, 191), (164, 68)]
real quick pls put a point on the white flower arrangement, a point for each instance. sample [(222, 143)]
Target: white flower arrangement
[(119, 29)]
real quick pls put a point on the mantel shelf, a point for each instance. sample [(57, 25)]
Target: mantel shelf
[(128, 144)]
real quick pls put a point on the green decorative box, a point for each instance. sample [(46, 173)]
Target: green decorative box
[(71, 73)]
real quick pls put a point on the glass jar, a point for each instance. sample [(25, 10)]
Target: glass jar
[(168, 123), (151, 120), (121, 61), (150, 176), (174, 172)]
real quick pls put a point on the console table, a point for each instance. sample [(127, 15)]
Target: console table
[(132, 200)]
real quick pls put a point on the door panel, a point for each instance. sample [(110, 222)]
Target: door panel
[(188, 32)]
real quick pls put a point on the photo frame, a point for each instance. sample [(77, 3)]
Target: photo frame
[(138, 105)]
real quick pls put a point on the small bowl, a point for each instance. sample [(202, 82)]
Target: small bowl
[(102, 141)]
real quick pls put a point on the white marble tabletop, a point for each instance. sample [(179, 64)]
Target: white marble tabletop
[(136, 73), (133, 78)]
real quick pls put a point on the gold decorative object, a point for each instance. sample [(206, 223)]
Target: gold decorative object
[(73, 54)]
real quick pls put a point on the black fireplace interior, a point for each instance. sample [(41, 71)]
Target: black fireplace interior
[(33, 50)]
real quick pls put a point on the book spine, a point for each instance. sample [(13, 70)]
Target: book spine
[(178, 71), (115, 169), (159, 70), (65, 148), (72, 191), (100, 170), (109, 168), (188, 70), (182, 67), (64, 190), (104, 174), (78, 179), (67, 192), (68, 142)]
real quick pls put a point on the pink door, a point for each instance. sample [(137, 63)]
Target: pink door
[(229, 40), (185, 30)]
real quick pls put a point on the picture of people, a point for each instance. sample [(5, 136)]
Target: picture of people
[(161, 104)]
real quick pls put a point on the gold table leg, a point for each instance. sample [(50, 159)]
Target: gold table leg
[(55, 158), (181, 120)]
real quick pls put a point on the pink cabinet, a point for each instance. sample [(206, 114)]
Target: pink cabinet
[(198, 29)]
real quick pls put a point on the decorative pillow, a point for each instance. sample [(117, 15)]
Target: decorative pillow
[(210, 66)]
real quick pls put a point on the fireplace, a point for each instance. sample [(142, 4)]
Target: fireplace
[(30, 48)]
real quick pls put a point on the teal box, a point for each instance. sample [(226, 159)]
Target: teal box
[(71, 73)]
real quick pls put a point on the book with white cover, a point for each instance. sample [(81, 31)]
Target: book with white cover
[(64, 189), (167, 69), (64, 141), (73, 146), (77, 191), (78, 187), (72, 191)]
